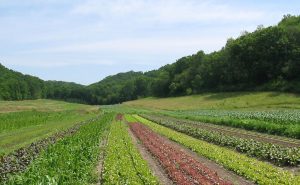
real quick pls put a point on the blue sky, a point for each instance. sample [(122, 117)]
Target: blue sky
[(85, 40)]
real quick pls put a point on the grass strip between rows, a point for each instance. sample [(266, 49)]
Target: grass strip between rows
[(72, 160), (123, 163), (257, 171)]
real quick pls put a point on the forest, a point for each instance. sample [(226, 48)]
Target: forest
[(267, 59)]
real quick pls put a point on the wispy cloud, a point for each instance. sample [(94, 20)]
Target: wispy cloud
[(155, 45), (167, 11)]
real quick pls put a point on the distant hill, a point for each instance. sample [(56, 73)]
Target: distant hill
[(115, 89), (17, 86), (267, 59)]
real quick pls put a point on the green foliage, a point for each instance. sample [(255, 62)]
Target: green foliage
[(16, 86), (123, 163), (24, 122), (284, 123), (266, 151), (250, 168), (69, 161)]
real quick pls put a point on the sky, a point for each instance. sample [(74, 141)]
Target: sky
[(84, 41)]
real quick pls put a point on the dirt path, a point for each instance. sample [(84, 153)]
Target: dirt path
[(241, 133), (213, 172), (154, 165), (102, 147)]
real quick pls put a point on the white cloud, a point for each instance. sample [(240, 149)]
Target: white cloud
[(166, 11), (157, 45)]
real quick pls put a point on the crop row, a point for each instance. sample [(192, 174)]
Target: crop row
[(123, 163), (275, 116), (271, 127), (181, 167), (238, 132), (20, 159), (253, 169), (70, 160), (266, 151), (16, 120)]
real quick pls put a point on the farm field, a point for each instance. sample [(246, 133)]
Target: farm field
[(49, 142), (140, 92)]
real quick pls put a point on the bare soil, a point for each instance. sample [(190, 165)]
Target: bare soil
[(163, 177), (154, 165), (221, 171), (102, 147)]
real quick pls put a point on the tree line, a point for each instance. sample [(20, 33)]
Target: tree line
[(267, 59)]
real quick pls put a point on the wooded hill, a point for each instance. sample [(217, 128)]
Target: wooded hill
[(267, 59)]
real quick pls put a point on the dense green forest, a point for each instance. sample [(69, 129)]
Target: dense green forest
[(266, 59)]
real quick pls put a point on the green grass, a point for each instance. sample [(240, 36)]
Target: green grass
[(71, 160), (257, 171), (123, 163), (13, 139), (42, 105), (23, 122), (17, 120), (236, 100)]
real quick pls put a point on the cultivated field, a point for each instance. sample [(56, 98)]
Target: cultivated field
[(233, 138)]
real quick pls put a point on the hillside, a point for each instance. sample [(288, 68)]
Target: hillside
[(267, 59), (16, 86), (237, 100)]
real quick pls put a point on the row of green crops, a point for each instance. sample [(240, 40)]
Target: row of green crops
[(72, 160), (276, 116), (123, 163), (16, 120), (251, 168), (266, 151), (289, 129)]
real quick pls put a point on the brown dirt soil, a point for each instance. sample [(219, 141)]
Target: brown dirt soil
[(102, 147), (154, 165), (221, 171), (159, 171)]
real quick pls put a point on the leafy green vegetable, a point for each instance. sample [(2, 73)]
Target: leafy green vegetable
[(257, 171), (123, 163)]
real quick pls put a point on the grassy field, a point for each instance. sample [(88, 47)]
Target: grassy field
[(236, 100), (23, 122), (42, 105)]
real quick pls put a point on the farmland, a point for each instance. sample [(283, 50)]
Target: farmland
[(52, 142), (140, 92)]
